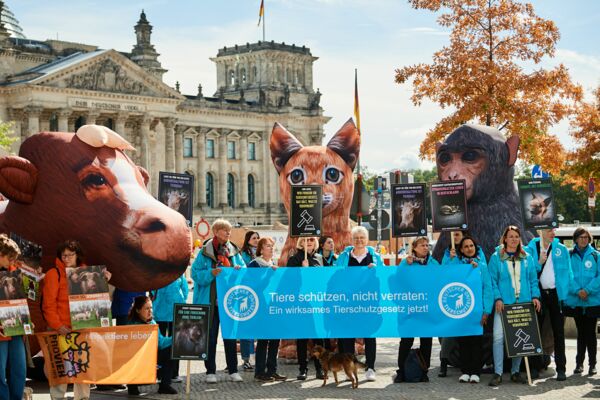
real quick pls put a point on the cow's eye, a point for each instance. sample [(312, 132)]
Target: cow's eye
[(297, 176), (94, 180), (332, 175)]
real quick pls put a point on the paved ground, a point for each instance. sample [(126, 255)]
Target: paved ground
[(439, 388)]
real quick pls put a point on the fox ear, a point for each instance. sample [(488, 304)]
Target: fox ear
[(547, 201), (346, 143), (283, 146)]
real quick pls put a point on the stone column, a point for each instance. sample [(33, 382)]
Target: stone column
[(71, 124), (169, 143), (201, 168), (33, 120), (223, 170), (120, 120), (179, 149), (91, 117), (268, 184), (63, 119), (16, 115), (243, 169), (144, 141)]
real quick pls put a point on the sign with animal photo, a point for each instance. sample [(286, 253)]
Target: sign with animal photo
[(449, 206), (177, 192), (30, 264), (306, 210), (89, 299), (14, 312), (537, 204), (521, 332), (408, 205), (190, 332)]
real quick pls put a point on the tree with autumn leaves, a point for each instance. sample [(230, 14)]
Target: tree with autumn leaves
[(481, 76), (584, 161)]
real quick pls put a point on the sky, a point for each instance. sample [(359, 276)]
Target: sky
[(374, 36)]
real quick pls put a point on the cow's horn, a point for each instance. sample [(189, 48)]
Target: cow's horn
[(98, 136)]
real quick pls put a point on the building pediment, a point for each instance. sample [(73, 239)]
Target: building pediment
[(108, 71)]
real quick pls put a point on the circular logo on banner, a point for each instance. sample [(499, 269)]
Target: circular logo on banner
[(456, 300), (588, 264), (241, 303)]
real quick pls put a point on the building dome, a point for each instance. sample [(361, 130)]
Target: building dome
[(11, 23)]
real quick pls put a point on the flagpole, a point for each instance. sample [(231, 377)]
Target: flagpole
[(263, 21), (359, 175)]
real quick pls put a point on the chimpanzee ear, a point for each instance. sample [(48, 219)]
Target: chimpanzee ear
[(512, 143), (144, 174), (346, 143), (283, 146), (18, 179)]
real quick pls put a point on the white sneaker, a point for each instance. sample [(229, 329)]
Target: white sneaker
[(370, 375), (211, 378), (464, 378), (474, 379), (235, 377)]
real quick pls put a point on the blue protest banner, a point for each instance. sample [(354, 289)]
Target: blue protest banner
[(338, 302)]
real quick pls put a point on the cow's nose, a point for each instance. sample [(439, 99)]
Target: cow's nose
[(149, 224)]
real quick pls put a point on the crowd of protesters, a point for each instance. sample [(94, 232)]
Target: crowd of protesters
[(558, 281)]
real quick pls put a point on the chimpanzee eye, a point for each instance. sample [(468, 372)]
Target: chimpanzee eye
[(94, 180), (332, 175), (297, 176), (444, 158), (470, 156)]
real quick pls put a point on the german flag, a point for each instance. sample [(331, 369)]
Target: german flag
[(356, 107), (261, 13)]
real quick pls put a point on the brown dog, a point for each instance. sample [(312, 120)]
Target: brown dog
[(336, 362)]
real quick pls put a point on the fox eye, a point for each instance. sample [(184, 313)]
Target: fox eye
[(332, 175), (297, 176)]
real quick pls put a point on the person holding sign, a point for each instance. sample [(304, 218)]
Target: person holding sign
[(306, 256), (583, 303), (217, 253), (419, 256), (12, 349), (514, 280), (360, 255), (266, 349), (248, 253), (556, 280), (471, 355)]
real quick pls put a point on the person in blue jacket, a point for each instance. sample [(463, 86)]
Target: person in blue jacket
[(141, 313), (419, 256), (164, 299), (584, 300), (216, 254), (248, 254), (471, 355), (514, 280), (360, 255), (556, 280)]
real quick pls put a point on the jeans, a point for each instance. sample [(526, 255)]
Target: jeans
[(553, 310), (586, 339), (246, 348), (498, 349), (346, 345), (266, 355), (12, 352), (229, 344)]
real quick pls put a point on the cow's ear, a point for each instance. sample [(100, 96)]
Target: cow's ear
[(144, 174), (283, 146), (18, 179)]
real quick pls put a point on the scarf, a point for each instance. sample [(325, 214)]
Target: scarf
[(263, 263), (222, 253), (422, 261), (515, 275)]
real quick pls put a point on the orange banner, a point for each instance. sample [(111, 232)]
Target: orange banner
[(112, 355)]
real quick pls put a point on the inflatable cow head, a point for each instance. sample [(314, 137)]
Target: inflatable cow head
[(84, 187)]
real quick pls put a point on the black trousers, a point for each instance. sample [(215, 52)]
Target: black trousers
[(404, 349), (346, 345), (301, 348), (266, 356), (586, 339), (229, 344), (471, 354), (166, 328), (552, 310)]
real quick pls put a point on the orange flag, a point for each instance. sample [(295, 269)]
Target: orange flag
[(261, 13), (112, 355)]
